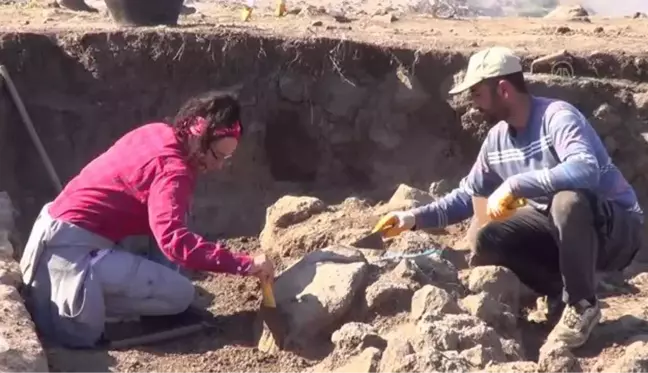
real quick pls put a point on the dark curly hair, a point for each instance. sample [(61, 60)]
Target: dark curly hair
[(221, 110)]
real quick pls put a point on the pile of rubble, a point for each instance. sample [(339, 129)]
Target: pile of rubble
[(419, 309)]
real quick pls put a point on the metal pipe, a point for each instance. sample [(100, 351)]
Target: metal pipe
[(158, 337), (30, 128)]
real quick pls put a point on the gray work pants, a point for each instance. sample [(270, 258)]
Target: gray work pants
[(560, 251), (76, 279)]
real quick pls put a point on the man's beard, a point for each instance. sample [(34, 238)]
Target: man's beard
[(492, 117)]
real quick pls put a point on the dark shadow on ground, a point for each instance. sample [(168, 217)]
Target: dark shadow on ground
[(65, 360), (228, 329), (613, 332)]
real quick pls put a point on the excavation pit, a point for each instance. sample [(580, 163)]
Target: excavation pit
[(344, 113)]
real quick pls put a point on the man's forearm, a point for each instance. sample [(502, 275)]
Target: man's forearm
[(574, 174), (450, 209)]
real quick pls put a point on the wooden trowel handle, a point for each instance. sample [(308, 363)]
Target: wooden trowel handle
[(268, 294)]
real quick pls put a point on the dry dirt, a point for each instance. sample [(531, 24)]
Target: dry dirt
[(353, 20), (234, 300)]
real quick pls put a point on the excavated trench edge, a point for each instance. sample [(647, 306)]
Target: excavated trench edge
[(24, 53)]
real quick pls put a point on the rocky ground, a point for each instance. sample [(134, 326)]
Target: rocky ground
[(360, 311), (349, 309)]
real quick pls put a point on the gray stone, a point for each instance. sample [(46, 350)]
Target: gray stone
[(389, 294), (367, 361), (398, 356), (405, 192), (455, 332), (494, 313), (357, 336), (287, 211), (557, 358), (499, 282), (634, 358), (307, 297), (480, 356), (432, 299)]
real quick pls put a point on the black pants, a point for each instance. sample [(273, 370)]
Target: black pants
[(561, 250)]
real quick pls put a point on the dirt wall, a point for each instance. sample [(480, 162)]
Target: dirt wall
[(324, 117), (321, 117)]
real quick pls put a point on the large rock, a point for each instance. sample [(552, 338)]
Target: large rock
[(434, 300), (316, 292), (367, 361), (398, 356), (296, 226), (286, 212), (498, 282), (634, 358), (402, 356), (480, 356), (456, 332), (355, 336), (444, 342), (557, 358), (393, 291), (494, 313), (407, 193), (440, 271), (20, 348), (412, 242)]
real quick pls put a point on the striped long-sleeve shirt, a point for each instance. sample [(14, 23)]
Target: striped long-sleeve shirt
[(558, 150)]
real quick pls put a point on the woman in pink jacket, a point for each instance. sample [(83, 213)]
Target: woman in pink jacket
[(77, 273)]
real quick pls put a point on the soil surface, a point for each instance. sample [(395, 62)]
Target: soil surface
[(349, 20), (229, 346)]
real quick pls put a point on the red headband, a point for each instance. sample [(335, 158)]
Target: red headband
[(200, 126)]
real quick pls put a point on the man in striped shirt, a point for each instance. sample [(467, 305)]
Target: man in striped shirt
[(583, 214)]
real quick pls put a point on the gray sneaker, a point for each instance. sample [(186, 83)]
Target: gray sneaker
[(576, 324)]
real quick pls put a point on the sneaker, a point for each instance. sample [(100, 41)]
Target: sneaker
[(576, 324)]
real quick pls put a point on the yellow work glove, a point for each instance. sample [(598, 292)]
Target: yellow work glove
[(246, 13), (395, 223), (502, 203)]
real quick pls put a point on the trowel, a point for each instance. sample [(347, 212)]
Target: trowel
[(373, 240), (271, 328)]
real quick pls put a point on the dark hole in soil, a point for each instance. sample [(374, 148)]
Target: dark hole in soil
[(292, 153)]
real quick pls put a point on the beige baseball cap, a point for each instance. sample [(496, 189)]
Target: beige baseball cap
[(488, 63)]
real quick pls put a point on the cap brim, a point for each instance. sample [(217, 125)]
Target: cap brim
[(463, 86)]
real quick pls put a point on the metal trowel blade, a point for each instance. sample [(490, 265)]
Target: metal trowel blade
[(372, 241)]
